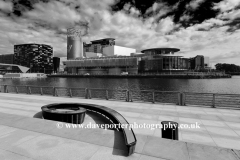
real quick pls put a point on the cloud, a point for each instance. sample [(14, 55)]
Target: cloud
[(194, 4), (227, 5), (47, 23), (6, 6)]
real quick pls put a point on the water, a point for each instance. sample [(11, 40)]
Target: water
[(231, 86)]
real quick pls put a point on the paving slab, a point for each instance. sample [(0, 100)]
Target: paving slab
[(203, 152), (166, 149), (6, 155)]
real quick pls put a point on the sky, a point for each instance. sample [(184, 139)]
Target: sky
[(197, 27)]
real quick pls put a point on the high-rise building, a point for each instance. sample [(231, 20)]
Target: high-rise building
[(38, 57)]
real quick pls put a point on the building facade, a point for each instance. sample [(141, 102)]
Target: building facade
[(95, 48), (38, 57), (162, 60), (74, 43), (197, 63), (56, 64), (7, 58), (154, 60)]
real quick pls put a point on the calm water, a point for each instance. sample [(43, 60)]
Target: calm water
[(193, 85)]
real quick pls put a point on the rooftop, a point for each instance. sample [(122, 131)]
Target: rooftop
[(24, 136), (105, 39), (160, 49)]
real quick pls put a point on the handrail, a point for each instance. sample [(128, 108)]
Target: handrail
[(152, 96)]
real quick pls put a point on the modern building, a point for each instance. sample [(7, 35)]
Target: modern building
[(96, 47), (197, 63), (7, 58), (162, 60), (56, 64), (74, 43), (37, 57), (153, 60), (118, 51), (105, 47), (12, 68)]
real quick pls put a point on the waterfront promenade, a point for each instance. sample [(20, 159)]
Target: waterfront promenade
[(24, 137)]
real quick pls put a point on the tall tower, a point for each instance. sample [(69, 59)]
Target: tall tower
[(74, 43)]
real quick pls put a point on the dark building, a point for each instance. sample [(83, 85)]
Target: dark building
[(7, 58), (56, 64), (38, 57), (197, 63)]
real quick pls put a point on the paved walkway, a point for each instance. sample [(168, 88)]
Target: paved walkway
[(24, 137)]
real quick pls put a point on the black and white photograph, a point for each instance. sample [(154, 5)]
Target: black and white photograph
[(119, 79)]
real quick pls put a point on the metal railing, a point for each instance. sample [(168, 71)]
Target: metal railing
[(174, 97)]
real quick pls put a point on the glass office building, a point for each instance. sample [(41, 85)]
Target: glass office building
[(37, 57)]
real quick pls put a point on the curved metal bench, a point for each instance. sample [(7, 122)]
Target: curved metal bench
[(113, 116)]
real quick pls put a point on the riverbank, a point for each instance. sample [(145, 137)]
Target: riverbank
[(174, 76)]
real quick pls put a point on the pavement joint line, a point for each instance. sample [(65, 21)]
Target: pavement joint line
[(18, 154)]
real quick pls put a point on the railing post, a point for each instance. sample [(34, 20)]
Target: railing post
[(127, 95), (16, 89), (213, 101), (70, 92), (89, 94), (5, 89), (29, 90), (183, 99), (106, 94), (153, 96), (54, 91), (86, 93), (41, 91), (179, 99)]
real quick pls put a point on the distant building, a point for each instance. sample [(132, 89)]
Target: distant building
[(153, 60), (197, 63), (162, 60), (56, 64), (12, 68), (38, 57), (74, 43), (95, 48), (117, 51), (7, 58)]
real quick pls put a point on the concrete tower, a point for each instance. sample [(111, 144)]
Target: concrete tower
[(74, 43)]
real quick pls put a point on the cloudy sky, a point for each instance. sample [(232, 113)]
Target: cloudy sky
[(197, 27)]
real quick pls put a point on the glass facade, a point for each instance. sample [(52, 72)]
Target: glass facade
[(38, 57)]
